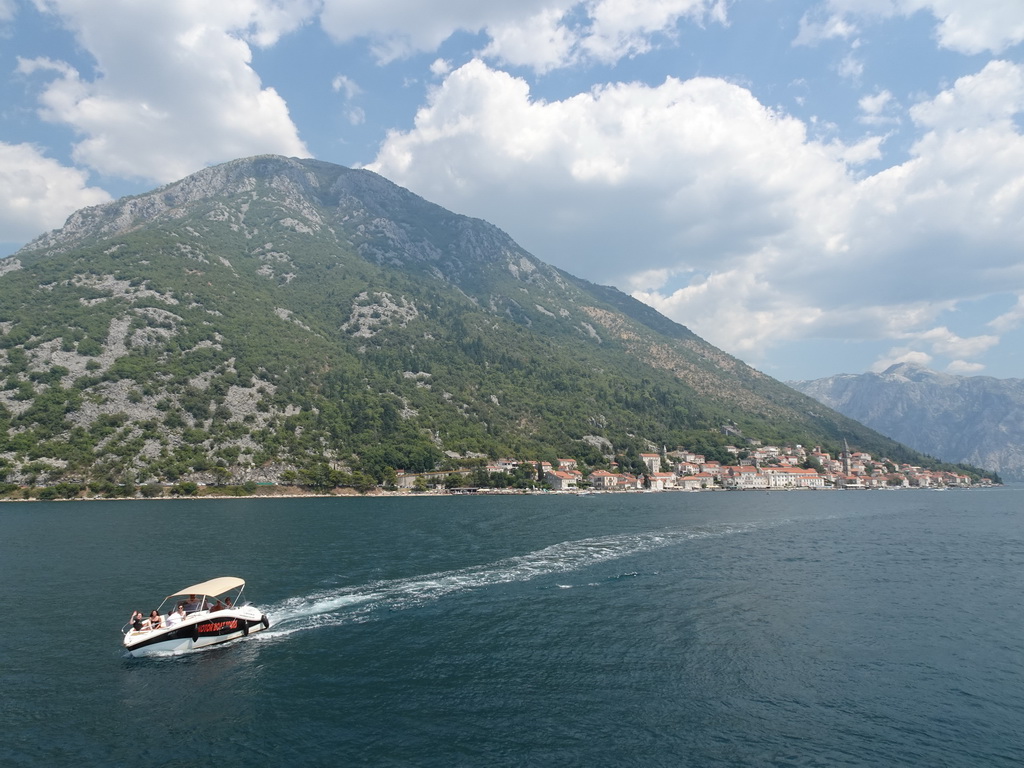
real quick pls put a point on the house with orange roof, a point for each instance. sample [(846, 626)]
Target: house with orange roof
[(545, 466), (628, 482), (561, 481), (604, 480), (661, 481)]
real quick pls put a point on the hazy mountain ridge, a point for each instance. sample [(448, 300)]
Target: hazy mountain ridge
[(978, 420), (271, 314)]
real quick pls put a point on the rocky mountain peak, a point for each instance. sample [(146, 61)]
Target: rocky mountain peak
[(292, 179), (912, 372), (345, 207)]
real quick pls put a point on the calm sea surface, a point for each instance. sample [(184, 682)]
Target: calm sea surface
[(674, 629)]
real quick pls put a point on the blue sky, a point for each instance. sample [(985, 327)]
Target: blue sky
[(816, 187)]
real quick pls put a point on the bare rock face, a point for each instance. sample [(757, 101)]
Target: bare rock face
[(977, 420)]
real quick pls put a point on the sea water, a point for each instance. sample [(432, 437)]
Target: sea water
[(674, 629)]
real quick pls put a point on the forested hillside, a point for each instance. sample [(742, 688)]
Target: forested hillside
[(278, 319)]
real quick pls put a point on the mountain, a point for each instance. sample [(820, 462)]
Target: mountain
[(273, 316), (978, 420)]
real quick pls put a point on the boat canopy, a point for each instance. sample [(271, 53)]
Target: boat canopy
[(211, 588)]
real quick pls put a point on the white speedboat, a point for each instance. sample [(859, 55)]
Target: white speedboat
[(196, 617)]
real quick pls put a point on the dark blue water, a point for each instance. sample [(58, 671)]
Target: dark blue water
[(675, 629)]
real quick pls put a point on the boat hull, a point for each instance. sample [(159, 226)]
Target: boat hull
[(197, 631)]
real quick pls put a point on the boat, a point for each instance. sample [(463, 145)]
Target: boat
[(198, 616)]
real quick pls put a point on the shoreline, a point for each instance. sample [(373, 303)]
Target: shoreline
[(294, 492)]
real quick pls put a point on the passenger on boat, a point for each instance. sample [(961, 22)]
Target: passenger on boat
[(174, 617), (192, 605), (156, 621), (137, 620), (217, 607)]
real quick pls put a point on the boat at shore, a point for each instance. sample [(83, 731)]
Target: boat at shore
[(198, 616)]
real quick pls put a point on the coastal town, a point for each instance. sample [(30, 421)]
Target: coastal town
[(758, 468), (763, 468)]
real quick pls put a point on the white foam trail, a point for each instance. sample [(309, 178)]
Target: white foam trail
[(358, 604)]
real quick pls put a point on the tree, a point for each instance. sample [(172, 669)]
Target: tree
[(318, 477), (185, 488), (67, 490), (363, 482), (812, 463)]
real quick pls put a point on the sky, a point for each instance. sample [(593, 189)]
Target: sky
[(817, 187)]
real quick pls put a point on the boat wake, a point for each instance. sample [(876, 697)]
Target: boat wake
[(357, 604)]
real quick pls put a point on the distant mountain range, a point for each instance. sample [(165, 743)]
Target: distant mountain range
[(273, 316), (977, 420)]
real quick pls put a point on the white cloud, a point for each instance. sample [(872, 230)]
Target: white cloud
[(661, 161), (948, 344), (901, 355), (940, 343), (399, 28), (965, 26), (726, 216), (343, 84), (173, 90), (1010, 320), (876, 104), (540, 34), (541, 41), (850, 68), (862, 152), (37, 193), (964, 368), (878, 108), (961, 194), (815, 28), (621, 28), (974, 26), (8, 10), (991, 97)]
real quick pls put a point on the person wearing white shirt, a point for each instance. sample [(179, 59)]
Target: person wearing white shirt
[(174, 617)]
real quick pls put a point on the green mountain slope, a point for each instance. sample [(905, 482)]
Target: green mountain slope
[(271, 315)]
